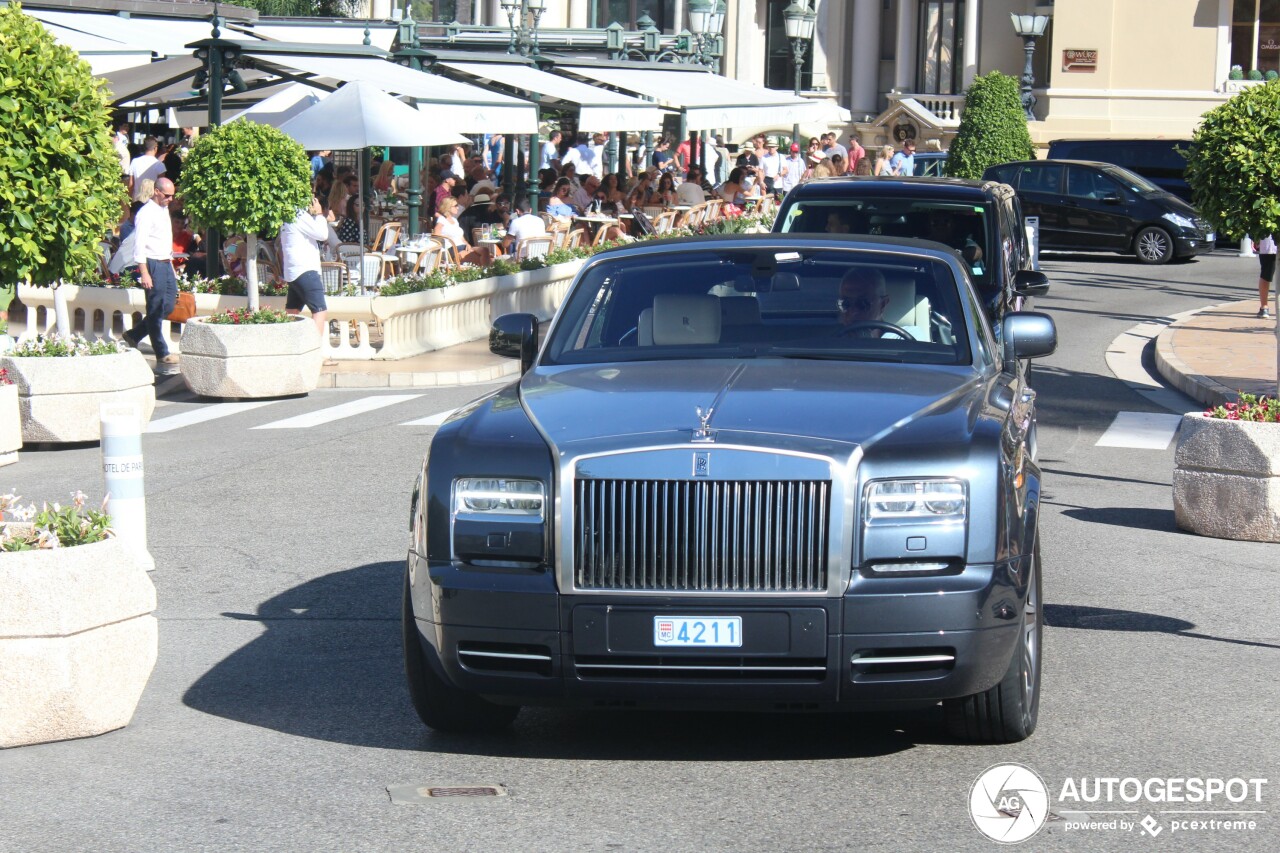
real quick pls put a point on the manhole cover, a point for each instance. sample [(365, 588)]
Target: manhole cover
[(414, 794)]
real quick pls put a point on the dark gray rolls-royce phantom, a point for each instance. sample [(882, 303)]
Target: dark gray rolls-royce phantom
[(771, 472)]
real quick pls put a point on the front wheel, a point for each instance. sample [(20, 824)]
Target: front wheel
[(1007, 713), (1153, 245), (440, 705)]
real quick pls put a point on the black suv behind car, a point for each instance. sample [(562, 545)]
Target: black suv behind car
[(1101, 207), (980, 220), (1163, 162)]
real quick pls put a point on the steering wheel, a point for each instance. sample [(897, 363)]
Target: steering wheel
[(882, 325)]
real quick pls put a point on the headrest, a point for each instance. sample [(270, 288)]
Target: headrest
[(680, 319)]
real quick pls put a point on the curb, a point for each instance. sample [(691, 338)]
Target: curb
[(1175, 371), (1124, 358)]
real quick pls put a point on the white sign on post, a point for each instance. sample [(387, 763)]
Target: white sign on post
[(1032, 224), (122, 470)]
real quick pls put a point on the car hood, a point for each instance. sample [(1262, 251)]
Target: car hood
[(819, 402)]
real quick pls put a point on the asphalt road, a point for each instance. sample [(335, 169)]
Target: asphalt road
[(277, 715)]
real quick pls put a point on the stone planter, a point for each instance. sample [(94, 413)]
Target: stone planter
[(1226, 478), (251, 361), (60, 398), (77, 641), (10, 424)]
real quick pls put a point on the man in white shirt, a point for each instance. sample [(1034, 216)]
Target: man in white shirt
[(153, 253), (302, 265), (792, 170), (597, 155), (551, 152), (525, 224), (146, 166), (690, 191), (771, 165)]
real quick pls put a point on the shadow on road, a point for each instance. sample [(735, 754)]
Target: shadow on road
[(1109, 619), (328, 666), (1136, 518)]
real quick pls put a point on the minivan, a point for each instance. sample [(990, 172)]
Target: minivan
[(1099, 207), (1160, 161)]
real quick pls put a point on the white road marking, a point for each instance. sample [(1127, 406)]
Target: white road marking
[(205, 413), (432, 420), (335, 413), (1141, 430)]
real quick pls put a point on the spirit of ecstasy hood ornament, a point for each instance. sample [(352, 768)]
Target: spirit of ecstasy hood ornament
[(704, 431)]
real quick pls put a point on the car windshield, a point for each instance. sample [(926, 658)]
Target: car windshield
[(1136, 183), (963, 227), (821, 303)]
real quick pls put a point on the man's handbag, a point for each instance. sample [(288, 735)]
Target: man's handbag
[(184, 309)]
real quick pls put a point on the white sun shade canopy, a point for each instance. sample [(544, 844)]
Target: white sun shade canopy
[(164, 36), (598, 109), (448, 103), (359, 115), (708, 100)]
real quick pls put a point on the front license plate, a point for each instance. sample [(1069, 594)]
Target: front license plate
[(1211, 238), (697, 631)]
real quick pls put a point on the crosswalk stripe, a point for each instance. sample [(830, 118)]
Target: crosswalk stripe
[(431, 420), (334, 413), (205, 413), (1141, 430)]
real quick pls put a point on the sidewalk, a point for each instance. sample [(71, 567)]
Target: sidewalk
[(1218, 352)]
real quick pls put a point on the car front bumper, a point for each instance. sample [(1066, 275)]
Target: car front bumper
[(889, 642), (1186, 246)]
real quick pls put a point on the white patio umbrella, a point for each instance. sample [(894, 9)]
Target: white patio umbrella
[(359, 115), (285, 104)]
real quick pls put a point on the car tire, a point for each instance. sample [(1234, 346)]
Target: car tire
[(1153, 245), (1007, 713), (440, 705)]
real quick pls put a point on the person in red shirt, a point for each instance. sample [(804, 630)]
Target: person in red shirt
[(682, 155), (184, 242)]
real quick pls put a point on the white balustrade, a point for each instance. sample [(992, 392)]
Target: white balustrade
[(412, 324)]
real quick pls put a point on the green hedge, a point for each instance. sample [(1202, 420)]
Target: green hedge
[(993, 128)]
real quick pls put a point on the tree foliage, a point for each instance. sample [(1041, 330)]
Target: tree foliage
[(992, 130), (1234, 166), (60, 179), (245, 178)]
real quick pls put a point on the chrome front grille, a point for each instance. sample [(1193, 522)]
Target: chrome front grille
[(701, 535)]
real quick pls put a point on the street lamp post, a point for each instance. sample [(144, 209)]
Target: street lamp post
[(410, 54), (524, 36), (799, 19), (1029, 28)]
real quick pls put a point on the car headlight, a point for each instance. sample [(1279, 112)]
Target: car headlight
[(944, 500), (1180, 220), (494, 496)]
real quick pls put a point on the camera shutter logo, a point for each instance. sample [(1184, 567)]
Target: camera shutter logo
[(1008, 803)]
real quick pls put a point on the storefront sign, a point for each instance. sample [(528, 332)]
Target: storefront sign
[(1076, 60)]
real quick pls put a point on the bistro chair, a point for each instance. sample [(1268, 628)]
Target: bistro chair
[(559, 234), (428, 260), (334, 277), (665, 221), (384, 244), (533, 247), (449, 257), (577, 238)]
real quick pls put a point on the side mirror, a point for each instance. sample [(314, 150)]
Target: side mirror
[(1028, 283), (1029, 334), (515, 336), (1111, 198)]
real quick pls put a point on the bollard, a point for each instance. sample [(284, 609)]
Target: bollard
[(122, 469), (1032, 224), (1246, 247)]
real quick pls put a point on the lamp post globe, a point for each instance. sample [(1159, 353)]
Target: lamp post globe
[(799, 20), (1029, 28)]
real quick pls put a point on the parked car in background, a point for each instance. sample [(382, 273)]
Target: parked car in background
[(727, 482), (1160, 161), (1100, 207), (982, 221), (930, 164)]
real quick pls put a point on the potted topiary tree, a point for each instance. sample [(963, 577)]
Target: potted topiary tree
[(993, 128), (60, 191), (61, 180), (248, 178), (1226, 478)]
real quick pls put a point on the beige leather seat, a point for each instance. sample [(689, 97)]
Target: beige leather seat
[(905, 308), (680, 320)]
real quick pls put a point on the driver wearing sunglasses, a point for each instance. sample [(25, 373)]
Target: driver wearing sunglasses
[(863, 297)]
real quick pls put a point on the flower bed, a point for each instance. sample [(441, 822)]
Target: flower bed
[(77, 638), (62, 385)]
